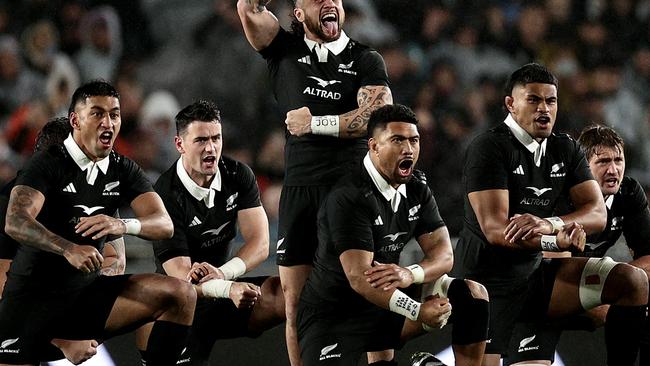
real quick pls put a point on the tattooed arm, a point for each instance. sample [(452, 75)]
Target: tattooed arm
[(351, 124), (114, 257), (25, 203)]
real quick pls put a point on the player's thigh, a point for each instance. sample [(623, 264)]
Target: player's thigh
[(269, 310), (297, 226)]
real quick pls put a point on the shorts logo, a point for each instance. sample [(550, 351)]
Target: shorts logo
[(89, 210), (109, 187), (277, 247), (523, 344), (230, 202), (325, 352), (8, 342)]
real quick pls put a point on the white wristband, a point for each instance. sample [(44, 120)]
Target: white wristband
[(233, 268), (400, 303), (325, 125), (417, 272), (549, 243), (217, 288), (556, 222), (133, 226)]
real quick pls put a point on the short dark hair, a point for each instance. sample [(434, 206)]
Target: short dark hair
[(201, 110), (595, 136), (296, 26), (390, 113), (54, 132), (92, 88), (530, 73)]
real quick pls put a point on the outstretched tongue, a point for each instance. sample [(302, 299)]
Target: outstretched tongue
[(331, 27)]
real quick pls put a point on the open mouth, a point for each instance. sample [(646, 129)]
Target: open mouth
[(543, 120), (210, 160), (405, 167), (611, 182), (106, 138), (330, 22)]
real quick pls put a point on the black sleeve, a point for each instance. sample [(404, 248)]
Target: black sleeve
[(485, 166), (41, 172), (176, 246), (636, 226), (430, 219), (373, 69), (579, 166), (350, 223), (248, 191), (134, 181), (278, 46)]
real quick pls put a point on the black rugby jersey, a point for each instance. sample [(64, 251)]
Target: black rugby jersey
[(327, 88), (627, 214), (356, 215), (68, 197), (201, 233), (496, 159), (8, 245)]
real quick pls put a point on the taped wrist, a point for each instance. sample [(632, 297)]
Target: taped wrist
[(325, 125), (470, 316), (233, 268), (556, 222), (402, 304), (549, 243), (133, 226), (217, 288), (418, 273)]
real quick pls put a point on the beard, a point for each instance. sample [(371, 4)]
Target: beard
[(316, 28)]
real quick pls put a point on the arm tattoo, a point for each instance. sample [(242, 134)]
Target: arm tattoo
[(22, 226), (369, 99)]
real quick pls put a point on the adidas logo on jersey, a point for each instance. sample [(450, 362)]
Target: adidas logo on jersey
[(195, 221), (305, 60), (70, 188), (519, 170), (379, 221)]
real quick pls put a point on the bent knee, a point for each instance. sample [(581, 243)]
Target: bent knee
[(477, 290), (629, 283), (177, 292)]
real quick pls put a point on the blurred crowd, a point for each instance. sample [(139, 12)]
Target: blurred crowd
[(446, 59)]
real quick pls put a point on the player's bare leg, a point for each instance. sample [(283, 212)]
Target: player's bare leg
[(293, 279), (269, 310)]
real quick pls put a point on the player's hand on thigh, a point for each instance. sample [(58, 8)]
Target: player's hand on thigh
[(77, 351), (244, 295), (388, 276), (99, 226), (435, 312), (85, 258), (298, 121), (203, 272), (572, 237), (526, 226)]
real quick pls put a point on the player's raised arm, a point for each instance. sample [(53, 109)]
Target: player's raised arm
[(260, 25)]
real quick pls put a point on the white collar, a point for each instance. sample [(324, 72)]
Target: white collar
[(335, 47), (609, 201), (202, 194), (384, 188), (539, 150), (82, 160)]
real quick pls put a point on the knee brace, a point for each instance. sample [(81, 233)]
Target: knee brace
[(593, 280), (470, 316)]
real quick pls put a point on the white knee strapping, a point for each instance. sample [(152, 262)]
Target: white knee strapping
[(593, 279), (438, 287)]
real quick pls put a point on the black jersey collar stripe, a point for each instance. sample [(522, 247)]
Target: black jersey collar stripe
[(525, 139), (195, 190), (386, 189), (335, 47), (609, 200), (81, 159)]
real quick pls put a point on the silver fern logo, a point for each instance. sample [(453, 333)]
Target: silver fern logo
[(325, 352)]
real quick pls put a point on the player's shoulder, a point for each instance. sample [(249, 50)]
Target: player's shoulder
[(563, 139), (352, 186), (498, 137), (630, 187), (234, 170), (166, 179)]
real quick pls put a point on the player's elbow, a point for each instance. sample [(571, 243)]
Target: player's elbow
[(357, 282), (12, 227)]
